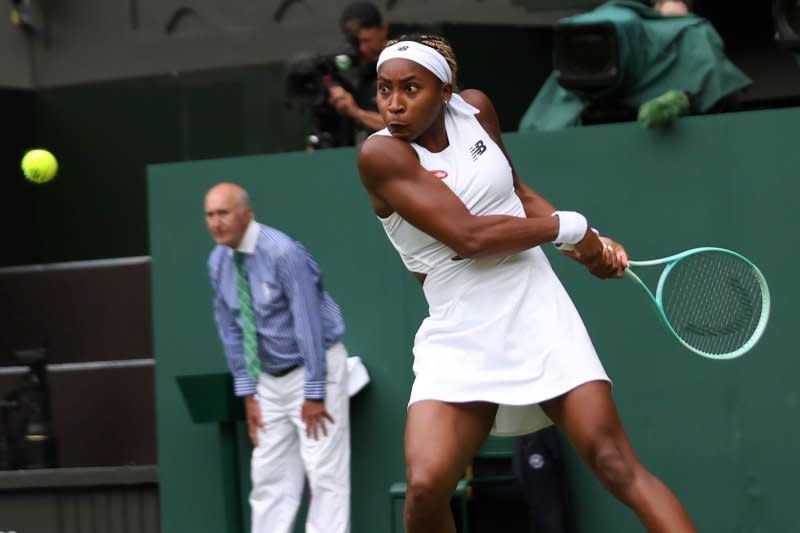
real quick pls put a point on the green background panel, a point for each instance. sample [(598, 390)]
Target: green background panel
[(723, 435)]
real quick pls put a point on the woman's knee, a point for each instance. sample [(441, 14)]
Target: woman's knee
[(615, 468), (426, 488)]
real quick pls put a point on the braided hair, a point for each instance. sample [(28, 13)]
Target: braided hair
[(438, 43)]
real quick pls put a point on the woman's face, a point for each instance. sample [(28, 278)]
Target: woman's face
[(410, 98)]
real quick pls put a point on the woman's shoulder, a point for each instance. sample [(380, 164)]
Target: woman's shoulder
[(477, 98), (379, 154), (487, 115), (379, 145)]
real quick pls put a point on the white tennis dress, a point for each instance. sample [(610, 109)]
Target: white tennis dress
[(500, 330)]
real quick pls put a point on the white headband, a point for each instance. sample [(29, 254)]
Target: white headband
[(433, 61)]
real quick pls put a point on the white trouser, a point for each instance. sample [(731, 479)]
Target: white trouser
[(284, 453)]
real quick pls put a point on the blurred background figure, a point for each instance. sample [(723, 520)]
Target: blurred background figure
[(662, 110), (626, 60), (339, 88), (364, 27), (281, 334)]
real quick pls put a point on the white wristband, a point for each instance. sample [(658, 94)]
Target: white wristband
[(572, 227)]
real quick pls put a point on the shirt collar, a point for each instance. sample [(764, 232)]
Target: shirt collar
[(248, 243)]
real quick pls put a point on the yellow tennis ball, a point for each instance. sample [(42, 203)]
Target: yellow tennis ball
[(39, 165)]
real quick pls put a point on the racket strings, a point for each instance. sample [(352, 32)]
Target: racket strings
[(713, 301)]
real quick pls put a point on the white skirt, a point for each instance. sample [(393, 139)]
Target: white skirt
[(502, 331)]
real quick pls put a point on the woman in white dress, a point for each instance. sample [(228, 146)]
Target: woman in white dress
[(503, 348)]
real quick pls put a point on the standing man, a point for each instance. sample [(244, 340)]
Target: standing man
[(281, 334), (362, 24)]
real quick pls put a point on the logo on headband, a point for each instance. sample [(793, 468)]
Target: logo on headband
[(402, 48), (441, 174)]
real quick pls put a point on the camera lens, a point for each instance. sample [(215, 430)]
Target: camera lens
[(587, 53)]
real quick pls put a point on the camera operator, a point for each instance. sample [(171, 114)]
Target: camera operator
[(604, 74), (364, 27), (664, 109)]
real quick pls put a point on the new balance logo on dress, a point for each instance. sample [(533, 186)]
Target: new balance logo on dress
[(477, 149)]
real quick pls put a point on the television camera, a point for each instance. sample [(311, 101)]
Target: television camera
[(309, 77)]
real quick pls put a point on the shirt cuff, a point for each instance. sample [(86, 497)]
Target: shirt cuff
[(244, 386), (314, 390)]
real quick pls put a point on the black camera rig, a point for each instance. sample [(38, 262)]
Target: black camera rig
[(309, 76)]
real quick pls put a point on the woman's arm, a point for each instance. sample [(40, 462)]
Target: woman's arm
[(590, 248), (396, 182)]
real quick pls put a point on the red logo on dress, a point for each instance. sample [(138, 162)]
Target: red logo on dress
[(441, 174)]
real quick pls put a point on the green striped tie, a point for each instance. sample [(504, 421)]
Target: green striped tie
[(249, 335)]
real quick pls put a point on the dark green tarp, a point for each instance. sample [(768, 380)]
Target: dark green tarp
[(657, 53)]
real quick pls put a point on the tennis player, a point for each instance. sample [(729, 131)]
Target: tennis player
[(503, 348)]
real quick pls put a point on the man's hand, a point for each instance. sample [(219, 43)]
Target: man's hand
[(344, 104), (342, 101), (314, 415), (253, 416)]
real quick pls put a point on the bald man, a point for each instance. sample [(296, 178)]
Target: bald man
[(281, 333)]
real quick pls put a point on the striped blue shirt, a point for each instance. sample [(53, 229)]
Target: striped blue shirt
[(296, 319)]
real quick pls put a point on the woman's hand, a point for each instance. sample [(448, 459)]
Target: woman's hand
[(618, 260), (604, 257)]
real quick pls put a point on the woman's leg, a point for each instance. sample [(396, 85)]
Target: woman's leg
[(588, 416), (440, 440)]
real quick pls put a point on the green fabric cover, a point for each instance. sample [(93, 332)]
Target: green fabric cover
[(658, 54)]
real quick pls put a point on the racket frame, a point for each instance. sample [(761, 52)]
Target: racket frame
[(657, 299)]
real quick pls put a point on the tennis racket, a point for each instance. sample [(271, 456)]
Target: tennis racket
[(714, 301)]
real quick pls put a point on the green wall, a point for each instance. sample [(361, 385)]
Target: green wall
[(723, 435)]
